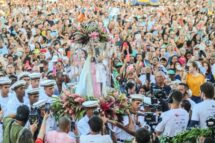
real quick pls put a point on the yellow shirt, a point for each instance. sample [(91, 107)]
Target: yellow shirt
[(194, 83)]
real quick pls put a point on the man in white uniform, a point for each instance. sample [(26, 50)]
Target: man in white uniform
[(25, 76), (205, 109), (132, 121), (83, 126), (175, 120), (35, 80), (33, 95), (5, 83), (17, 99), (48, 90), (51, 123)]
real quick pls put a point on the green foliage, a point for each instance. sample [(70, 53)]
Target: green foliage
[(189, 136)]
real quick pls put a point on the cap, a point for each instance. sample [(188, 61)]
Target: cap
[(137, 97), (33, 91), (5, 81), (18, 84), (48, 83), (40, 103), (35, 76), (23, 74), (171, 72), (90, 104)]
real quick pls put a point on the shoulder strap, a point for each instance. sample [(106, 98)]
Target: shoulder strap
[(10, 126), (19, 135)]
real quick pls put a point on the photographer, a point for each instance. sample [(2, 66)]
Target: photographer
[(205, 109), (160, 83), (13, 124), (38, 112), (175, 120)]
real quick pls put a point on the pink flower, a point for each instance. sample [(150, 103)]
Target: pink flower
[(78, 99), (94, 35), (70, 111)]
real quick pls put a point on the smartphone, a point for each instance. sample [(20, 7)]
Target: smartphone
[(47, 108), (41, 69)]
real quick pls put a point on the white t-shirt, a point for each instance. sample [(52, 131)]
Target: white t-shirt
[(192, 103), (173, 122), (202, 111), (95, 139)]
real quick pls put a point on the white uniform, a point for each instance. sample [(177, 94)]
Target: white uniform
[(44, 96), (51, 124), (4, 101), (95, 139), (173, 122), (119, 133), (126, 136), (83, 126), (202, 111), (13, 104)]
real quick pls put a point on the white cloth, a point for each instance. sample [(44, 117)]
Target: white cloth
[(83, 126), (13, 104), (202, 111), (173, 122), (95, 139)]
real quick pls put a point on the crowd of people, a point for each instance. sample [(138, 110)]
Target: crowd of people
[(164, 53)]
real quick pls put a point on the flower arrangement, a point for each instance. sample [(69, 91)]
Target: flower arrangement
[(117, 104), (68, 104), (90, 31)]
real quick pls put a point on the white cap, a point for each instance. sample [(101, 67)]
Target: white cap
[(137, 97), (35, 75), (23, 74), (33, 91), (18, 84), (5, 81), (90, 104), (39, 103), (48, 83)]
